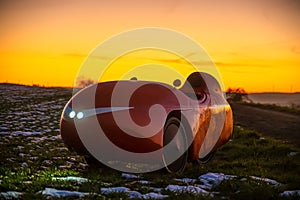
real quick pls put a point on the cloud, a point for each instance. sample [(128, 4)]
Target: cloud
[(232, 64), (295, 49), (86, 56)]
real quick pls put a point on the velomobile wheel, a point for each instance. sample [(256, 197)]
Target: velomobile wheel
[(174, 131)]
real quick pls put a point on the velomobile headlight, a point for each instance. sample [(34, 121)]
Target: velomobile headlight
[(72, 114), (80, 115)]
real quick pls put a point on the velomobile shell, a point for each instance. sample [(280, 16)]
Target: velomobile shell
[(132, 114), (140, 107)]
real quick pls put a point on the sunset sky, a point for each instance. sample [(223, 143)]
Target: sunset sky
[(255, 44)]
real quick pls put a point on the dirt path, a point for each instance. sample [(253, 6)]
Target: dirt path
[(268, 122)]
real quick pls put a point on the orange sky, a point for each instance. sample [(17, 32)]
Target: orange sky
[(255, 44)]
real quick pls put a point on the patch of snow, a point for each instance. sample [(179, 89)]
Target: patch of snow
[(143, 182), (153, 195), (22, 154), (51, 192), (189, 189), (11, 159), (267, 180), (56, 137), (71, 178), (11, 195), (83, 165), (48, 162), (292, 153), (106, 184), (114, 190), (124, 175), (70, 158), (25, 133), (290, 193), (186, 180), (57, 158), (24, 164), (33, 158), (69, 163), (3, 128), (56, 107), (64, 149), (158, 190), (132, 194), (212, 179)]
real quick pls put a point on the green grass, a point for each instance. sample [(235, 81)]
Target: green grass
[(247, 154)]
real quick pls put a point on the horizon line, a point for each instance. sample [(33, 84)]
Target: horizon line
[(72, 87)]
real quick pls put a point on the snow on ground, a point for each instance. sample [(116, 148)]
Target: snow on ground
[(292, 153), (209, 180), (25, 133), (129, 176), (71, 178), (30, 110), (10, 195), (132, 194), (186, 189), (291, 193), (143, 182), (114, 190), (267, 180), (153, 195), (51, 192), (186, 180)]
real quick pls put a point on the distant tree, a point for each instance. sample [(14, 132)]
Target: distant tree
[(236, 94), (83, 82)]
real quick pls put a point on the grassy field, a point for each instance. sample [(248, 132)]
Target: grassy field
[(32, 156)]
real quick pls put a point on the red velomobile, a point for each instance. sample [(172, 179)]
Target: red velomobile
[(140, 117)]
